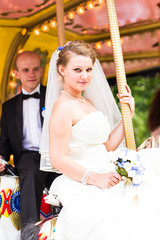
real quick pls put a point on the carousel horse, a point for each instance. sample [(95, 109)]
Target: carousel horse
[(10, 218), (45, 229)]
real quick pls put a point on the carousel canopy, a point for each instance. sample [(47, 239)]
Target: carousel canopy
[(32, 25)]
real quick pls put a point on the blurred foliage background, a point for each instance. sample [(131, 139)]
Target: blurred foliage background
[(143, 90)]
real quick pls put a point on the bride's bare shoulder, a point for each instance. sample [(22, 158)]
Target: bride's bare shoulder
[(63, 108)]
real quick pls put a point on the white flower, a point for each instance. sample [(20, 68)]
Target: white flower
[(127, 166), (135, 162), (131, 173)]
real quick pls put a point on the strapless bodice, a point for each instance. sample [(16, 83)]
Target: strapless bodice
[(87, 141), (93, 128)]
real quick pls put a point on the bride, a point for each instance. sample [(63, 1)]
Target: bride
[(84, 126)]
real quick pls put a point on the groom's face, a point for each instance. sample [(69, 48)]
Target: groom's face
[(28, 71)]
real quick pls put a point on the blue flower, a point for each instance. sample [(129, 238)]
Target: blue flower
[(120, 164), (59, 48)]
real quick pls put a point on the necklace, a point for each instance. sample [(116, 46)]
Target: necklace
[(77, 99)]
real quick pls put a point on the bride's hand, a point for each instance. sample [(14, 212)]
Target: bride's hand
[(127, 98), (107, 180)]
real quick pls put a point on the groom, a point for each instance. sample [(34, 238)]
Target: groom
[(21, 125)]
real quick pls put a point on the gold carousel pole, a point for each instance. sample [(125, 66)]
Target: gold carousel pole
[(120, 72), (60, 22)]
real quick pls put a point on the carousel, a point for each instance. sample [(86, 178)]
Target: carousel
[(125, 35)]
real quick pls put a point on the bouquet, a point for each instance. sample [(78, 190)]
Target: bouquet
[(128, 164)]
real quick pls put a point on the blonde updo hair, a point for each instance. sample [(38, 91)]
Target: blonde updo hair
[(75, 47)]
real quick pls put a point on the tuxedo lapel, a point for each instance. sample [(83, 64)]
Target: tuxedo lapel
[(42, 101), (19, 117)]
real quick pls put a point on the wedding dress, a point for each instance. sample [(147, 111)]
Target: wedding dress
[(120, 213)]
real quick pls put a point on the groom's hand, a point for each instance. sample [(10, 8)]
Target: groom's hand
[(2, 166)]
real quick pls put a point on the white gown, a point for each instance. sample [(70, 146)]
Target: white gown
[(120, 213)]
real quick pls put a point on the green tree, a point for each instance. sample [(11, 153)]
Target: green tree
[(143, 90)]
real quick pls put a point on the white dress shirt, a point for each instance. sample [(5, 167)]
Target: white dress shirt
[(31, 122)]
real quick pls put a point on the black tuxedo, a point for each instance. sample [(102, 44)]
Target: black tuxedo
[(32, 180), (12, 125)]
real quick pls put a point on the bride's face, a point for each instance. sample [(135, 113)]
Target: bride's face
[(78, 72)]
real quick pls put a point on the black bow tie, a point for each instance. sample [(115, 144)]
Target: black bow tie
[(34, 95)]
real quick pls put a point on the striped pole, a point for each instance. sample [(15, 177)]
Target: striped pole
[(60, 22), (120, 72)]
